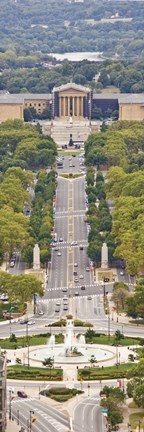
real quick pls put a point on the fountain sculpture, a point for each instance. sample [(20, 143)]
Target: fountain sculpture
[(73, 350)]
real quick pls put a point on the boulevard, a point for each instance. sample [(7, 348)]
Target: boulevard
[(68, 271)]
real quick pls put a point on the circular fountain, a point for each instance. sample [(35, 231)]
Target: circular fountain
[(73, 350)]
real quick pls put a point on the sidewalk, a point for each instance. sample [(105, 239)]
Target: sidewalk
[(12, 426)]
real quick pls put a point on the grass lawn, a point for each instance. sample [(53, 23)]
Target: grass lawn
[(33, 341), (109, 372), (69, 152), (135, 417), (61, 394), (104, 340), (34, 373)]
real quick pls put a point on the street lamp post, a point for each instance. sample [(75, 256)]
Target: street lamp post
[(10, 406), (27, 337), (30, 424), (17, 417), (88, 389), (117, 311), (11, 308), (109, 323), (104, 293)]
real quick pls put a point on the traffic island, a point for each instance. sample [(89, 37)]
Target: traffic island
[(61, 394)]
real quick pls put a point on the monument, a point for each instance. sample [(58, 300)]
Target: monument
[(104, 256), (36, 257)]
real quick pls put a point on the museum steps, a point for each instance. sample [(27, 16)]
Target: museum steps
[(61, 130)]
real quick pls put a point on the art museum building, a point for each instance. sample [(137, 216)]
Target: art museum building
[(72, 100)]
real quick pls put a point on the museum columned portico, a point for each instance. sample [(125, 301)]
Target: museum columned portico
[(71, 106), (72, 100)]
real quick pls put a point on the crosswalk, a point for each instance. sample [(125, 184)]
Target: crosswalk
[(75, 287), (84, 242), (48, 300)]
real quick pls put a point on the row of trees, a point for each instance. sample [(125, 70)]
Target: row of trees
[(26, 146), (98, 216), (120, 145), (23, 145), (41, 219), (20, 289)]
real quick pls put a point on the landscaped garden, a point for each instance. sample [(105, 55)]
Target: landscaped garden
[(61, 394), (20, 372)]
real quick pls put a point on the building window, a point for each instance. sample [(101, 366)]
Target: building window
[(25, 104), (34, 104), (39, 104)]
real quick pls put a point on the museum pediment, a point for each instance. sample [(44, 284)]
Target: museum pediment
[(71, 88)]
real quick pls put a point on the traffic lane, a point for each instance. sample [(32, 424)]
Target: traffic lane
[(99, 325), (46, 418), (19, 266), (61, 228), (79, 194), (61, 194), (80, 229), (126, 278), (87, 415), (91, 309), (81, 258), (58, 273)]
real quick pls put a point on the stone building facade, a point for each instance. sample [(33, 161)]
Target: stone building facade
[(72, 100)]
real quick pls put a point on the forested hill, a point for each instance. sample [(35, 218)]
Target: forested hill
[(28, 26)]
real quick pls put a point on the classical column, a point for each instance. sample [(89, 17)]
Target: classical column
[(60, 107), (64, 106), (79, 106), (73, 107), (82, 106), (68, 106)]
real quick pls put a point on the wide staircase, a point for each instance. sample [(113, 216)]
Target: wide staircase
[(61, 130)]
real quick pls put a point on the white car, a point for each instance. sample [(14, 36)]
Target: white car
[(121, 273), (31, 322), (74, 243), (12, 263), (81, 277), (59, 254), (41, 313)]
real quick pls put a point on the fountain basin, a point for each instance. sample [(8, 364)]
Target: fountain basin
[(58, 353)]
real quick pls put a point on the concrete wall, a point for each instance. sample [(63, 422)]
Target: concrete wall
[(11, 112), (131, 112)]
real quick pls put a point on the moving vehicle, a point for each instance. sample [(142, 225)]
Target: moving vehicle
[(55, 237), (64, 289), (76, 294), (83, 287), (21, 394), (59, 254), (81, 247), (57, 309)]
